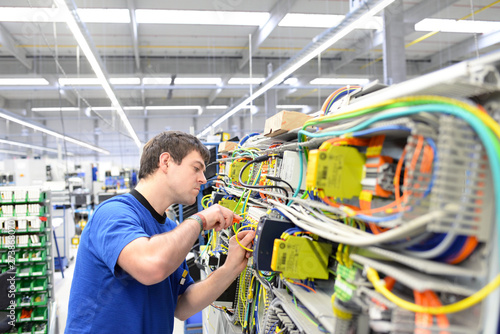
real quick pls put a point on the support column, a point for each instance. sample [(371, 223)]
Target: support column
[(96, 139), (29, 139), (270, 97), (146, 126), (242, 126), (394, 44)]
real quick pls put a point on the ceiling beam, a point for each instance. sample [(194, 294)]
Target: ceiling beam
[(460, 50), (278, 12), (135, 34), (10, 44), (420, 11)]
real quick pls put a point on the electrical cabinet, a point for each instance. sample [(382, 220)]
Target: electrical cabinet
[(380, 216)]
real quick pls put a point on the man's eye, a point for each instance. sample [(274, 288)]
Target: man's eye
[(196, 169)]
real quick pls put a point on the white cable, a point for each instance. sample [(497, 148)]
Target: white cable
[(332, 234), (327, 220), (437, 251)]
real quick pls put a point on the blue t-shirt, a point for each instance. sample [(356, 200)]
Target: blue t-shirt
[(104, 298)]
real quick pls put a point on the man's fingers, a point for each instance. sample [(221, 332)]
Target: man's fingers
[(246, 237)]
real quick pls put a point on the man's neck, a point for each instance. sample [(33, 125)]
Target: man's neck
[(154, 194)]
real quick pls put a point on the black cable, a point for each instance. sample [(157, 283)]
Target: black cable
[(258, 159), (277, 179)]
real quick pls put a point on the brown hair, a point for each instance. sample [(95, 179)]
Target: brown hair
[(177, 143)]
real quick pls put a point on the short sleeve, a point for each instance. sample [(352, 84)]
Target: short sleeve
[(115, 225)]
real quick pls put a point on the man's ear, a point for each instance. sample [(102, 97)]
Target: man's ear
[(164, 161)]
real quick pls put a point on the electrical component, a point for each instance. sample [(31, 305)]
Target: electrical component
[(290, 169), (234, 172), (312, 169), (267, 231), (301, 258), (379, 176), (231, 204), (340, 170)]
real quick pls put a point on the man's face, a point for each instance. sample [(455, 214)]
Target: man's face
[(186, 178)]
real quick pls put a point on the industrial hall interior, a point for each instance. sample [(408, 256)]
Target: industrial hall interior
[(257, 167)]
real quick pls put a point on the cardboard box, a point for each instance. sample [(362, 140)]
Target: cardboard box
[(284, 121), (227, 146)]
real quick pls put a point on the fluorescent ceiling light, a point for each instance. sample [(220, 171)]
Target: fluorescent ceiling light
[(71, 21), (157, 81), (459, 26), (29, 14), (198, 108), (23, 81), (44, 15), (173, 107), (204, 17), (110, 108), (339, 81), (310, 20), (56, 109), (216, 107), (325, 21), (52, 133), (104, 15), (125, 81), (35, 147), (245, 81), (197, 81), (134, 108), (96, 81), (78, 81), (302, 59)]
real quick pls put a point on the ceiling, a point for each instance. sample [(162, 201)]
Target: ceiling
[(212, 44)]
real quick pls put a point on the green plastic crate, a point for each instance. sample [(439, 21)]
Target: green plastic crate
[(39, 299), (21, 302), (39, 314), (23, 271), (40, 228), (22, 256), (41, 243), (39, 284), (38, 270), (6, 196), (38, 256), (25, 285)]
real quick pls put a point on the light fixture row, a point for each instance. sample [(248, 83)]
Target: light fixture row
[(199, 108), (13, 118), (161, 81), (207, 17)]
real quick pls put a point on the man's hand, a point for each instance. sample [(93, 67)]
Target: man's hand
[(237, 257), (218, 217)]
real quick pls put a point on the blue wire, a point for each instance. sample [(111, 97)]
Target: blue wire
[(273, 326), (281, 213), (244, 139), (256, 316), (379, 219), (432, 144), (380, 129)]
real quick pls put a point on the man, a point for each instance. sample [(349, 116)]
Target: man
[(131, 274)]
